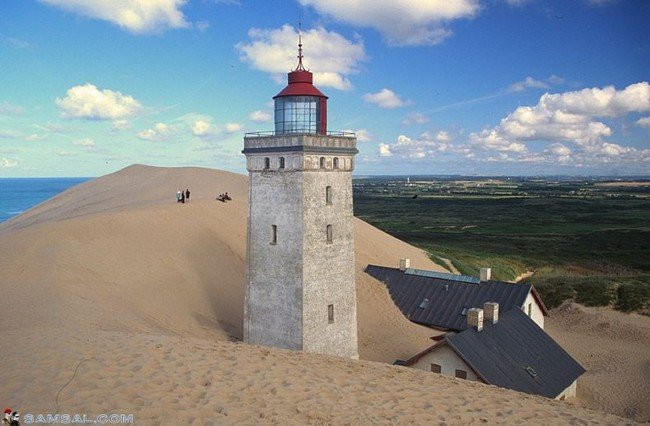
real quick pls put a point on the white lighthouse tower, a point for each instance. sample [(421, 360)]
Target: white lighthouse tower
[(300, 290)]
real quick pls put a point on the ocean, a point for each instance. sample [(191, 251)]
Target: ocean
[(20, 194)]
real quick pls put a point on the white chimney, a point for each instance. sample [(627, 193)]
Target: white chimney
[(475, 318), (404, 264), (486, 274), (491, 311)]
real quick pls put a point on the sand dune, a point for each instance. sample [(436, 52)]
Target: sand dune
[(154, 265), (131, 188), (145, 295), (167, 380), (615, 349)]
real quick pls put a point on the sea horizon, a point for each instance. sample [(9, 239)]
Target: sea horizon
[(21, 194)]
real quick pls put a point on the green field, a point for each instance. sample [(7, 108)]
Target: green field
[(584, 242)]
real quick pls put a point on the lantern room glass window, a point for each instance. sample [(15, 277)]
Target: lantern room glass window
[(297, 114)]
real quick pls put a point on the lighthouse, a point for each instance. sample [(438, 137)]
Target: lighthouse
[(300, 290)]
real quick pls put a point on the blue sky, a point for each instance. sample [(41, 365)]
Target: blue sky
[(430, 86)]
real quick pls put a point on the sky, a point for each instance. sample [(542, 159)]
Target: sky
[(438, 87)]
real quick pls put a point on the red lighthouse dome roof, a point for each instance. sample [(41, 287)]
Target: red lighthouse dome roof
[(301, 81)]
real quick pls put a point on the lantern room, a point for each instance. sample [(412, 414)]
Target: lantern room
[(300, 107)]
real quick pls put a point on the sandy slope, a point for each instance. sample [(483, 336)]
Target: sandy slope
[(168, 380), (147, 294), (154, 265), (615, 349)]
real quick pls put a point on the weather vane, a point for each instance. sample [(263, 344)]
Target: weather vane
[(300, 67)]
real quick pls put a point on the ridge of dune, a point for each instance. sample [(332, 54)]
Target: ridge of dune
[(133, 187), (113, 266)]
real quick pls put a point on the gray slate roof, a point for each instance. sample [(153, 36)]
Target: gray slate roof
[(506, 353), (447, 295)]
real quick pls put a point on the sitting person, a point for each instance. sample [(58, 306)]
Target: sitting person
[(224, 197)]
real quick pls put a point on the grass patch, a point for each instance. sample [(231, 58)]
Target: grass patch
[(633, 295), (627, 293), (469, 263), (592, 251), (438, 261)]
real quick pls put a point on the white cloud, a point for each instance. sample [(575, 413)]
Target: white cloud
[(85, 142), (605, 102), (401, 22), (385, 98), (203, 128), (202, 25), (526, 83), (644, 122), (559, 149), (492, 140), (7, 108), (614, 150), (9, 134), (35, 137), (329, 54), (415, 118), (6, 163), (48, 130), (120, 125), (428, 145), (159, 132), (442, 136), (363, 135), (17, 43), (136, 16), (260, 116), (88, 102), (54, 128), (531, 83), (568, 118), (384, 150), (556, 153), (233, 127)]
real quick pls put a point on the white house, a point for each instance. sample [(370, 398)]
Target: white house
[(509, 351)]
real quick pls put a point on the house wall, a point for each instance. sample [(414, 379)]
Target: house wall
[(569, 392), (536, 312), (448, 361)]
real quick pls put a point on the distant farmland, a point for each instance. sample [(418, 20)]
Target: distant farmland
[(586, 239)]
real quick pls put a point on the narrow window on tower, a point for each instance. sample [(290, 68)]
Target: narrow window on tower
[(330, 313), (328, 195), (336, 162), (329, 234), (282, 162), (322, 162), (274, 234), (267, 163)]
